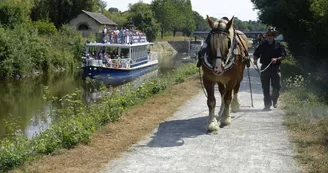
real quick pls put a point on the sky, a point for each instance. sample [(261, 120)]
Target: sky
[(243, 9)]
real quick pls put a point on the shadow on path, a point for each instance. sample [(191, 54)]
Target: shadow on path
[(172, 133)]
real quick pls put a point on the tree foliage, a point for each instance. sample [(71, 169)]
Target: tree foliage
[(13, 13), (62, 11), (301, 21), (249, 25), (174, 15), (164, 14), (121, 19), (113, 10), (142, 16)]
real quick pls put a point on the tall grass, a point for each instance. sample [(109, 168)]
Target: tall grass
[(306, 108)]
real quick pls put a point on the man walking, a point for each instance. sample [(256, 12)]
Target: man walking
[(270, 53)]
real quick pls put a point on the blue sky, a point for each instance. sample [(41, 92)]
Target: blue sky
[(243, 9)]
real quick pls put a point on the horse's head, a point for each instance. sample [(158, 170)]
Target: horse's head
[(221, 40)]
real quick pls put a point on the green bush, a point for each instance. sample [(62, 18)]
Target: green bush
[(12, 14), (44, 28), (23, 50)]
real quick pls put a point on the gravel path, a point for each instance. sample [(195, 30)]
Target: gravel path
[(255, 142)]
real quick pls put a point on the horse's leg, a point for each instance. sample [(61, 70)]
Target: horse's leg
[(211, 102), (235, 105), (222, 90), (225, 118)]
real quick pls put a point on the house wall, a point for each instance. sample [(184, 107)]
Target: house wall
[(94, 26)]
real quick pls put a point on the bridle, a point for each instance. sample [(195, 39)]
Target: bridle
[(231, 44), (220, 31)]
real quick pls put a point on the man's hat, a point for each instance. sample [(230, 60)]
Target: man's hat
[(273, 31)]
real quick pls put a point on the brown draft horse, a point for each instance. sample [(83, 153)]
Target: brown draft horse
[(226, 45)]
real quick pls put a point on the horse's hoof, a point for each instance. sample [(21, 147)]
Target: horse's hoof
[(235, 108), (225, 122), (209, 132), (223, 125), (212, 127)]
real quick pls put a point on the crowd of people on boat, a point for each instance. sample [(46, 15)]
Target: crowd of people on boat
[(122, 36), (109, 58)]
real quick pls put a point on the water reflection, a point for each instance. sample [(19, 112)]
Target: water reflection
[(21, 100)]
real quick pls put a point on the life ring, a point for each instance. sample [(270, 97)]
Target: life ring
[(116, 64)]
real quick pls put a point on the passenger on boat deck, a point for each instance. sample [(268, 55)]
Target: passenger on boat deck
[(110, 37), (100, 55), (93, 54), (104, 33), (108, 60), (122, 35)]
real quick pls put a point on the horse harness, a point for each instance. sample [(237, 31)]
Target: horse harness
[(205, 56)]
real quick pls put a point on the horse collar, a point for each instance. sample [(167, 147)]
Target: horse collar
[(209, 60)]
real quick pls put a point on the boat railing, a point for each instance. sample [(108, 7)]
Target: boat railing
[(94, 62), (119, 63)]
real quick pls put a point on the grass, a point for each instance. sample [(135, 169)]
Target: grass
[(306, 117), (176, 38)]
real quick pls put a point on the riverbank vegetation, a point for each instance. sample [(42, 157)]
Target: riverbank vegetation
[(305, 97), (32, 47), (305, 105), (75, 122)]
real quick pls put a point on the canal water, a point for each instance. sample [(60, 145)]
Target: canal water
[(21, 101)]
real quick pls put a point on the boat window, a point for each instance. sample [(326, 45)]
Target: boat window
[(138, 49), (132, 53), (137, 52), (124, 53)]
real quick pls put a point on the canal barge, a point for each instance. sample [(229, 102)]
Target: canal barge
[(115, 63)]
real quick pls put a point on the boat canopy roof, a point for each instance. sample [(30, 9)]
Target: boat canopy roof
[(118, 45)]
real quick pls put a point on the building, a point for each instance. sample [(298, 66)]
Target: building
[(89, 22)]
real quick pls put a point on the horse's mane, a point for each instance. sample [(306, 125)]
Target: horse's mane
[(220, 24), (244, 41)]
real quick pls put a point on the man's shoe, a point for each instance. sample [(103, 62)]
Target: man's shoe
[(275, 105), (266, 109)]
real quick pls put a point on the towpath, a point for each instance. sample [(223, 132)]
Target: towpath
[(255, 142)]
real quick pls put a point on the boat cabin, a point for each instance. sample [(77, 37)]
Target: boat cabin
[(116, 55)]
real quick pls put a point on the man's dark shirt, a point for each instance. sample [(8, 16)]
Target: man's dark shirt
[(267, 51)]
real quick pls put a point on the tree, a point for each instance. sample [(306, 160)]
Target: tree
[(121, 19), (164, 14), (113, 10), (142, 16), (189, 24), (294, 19), (62, 11), (200, 22), (13, 13), (179, 19)]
